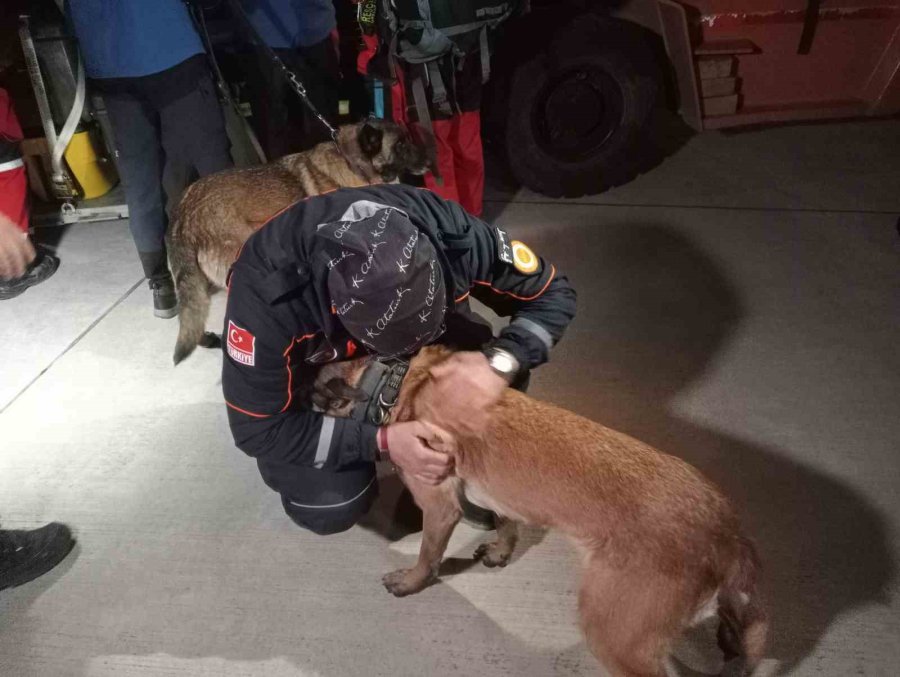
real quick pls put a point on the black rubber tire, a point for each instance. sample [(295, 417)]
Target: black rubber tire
[(579, 113)]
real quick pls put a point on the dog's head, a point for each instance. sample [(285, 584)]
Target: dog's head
[(335, 390), (390, 150)]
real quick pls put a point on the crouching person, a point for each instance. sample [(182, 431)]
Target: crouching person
[(380, 270)]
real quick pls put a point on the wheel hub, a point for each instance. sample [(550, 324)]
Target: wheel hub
[(577, 112)]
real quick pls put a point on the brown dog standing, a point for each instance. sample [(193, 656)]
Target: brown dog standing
[(219, 212), (659, 541)]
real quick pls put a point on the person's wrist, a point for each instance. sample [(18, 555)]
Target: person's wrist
[(502, 362), (381, 443)]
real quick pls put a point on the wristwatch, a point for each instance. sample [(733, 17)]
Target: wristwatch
[(503, 362)]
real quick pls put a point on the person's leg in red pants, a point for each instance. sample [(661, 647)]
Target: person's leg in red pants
[(468, 161), (460, 156), (445, 132)]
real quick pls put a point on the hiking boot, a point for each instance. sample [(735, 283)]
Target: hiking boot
[(165, 302), (25, 555), (43, 267)]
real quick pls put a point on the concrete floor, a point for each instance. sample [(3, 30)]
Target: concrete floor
[(738, 307)]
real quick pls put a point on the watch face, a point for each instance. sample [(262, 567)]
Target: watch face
[(503, 363)]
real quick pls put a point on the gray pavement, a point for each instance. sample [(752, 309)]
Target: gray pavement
[(738, 307)]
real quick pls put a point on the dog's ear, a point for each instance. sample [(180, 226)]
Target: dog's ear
[(370, 138), (344, 390)]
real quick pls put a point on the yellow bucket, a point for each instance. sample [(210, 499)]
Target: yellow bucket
[(95, 175)]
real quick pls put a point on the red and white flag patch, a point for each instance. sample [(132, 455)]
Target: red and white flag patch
[(241, 345)]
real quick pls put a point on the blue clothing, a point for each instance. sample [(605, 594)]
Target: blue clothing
[(132, 38), (288, 24)]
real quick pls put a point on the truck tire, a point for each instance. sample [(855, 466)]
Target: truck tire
[(578, 114)]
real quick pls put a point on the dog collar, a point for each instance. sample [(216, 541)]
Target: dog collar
[(381, 383)]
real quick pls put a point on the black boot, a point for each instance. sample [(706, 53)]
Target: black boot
[(43, 266), (156, 270), (165, 302), (25, 555)]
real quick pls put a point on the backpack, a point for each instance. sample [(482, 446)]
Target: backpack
[(431, 32), (430, 29)]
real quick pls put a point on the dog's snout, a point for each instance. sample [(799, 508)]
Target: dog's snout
[(412, 156)]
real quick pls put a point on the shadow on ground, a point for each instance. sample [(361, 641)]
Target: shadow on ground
[(660, 311)]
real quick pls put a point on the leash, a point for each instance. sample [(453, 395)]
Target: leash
[(198, 17), (381, 382), (292, 79)]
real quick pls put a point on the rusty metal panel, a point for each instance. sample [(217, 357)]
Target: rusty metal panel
[(678, 46), (882, 91), (849, 45)]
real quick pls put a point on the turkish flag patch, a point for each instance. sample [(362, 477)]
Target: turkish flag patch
[(241, 345)]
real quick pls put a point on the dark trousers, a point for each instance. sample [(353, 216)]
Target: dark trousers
[(328, 502), (281, 120), (169, 130)]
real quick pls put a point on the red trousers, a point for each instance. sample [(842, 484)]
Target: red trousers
[(460, 161), (13, 181), (460, 158)]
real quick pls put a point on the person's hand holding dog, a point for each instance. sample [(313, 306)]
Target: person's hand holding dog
[(421, 449), (462, 391)]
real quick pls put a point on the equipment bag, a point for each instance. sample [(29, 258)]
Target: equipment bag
[(429, 29)]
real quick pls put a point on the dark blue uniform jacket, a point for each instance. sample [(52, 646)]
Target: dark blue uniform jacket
[(280, 324)]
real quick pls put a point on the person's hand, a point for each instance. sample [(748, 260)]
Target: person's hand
[(462, 391), (421, 449), (16, 251)]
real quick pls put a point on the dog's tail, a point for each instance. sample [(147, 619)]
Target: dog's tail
[(743, 622), (193, 297)]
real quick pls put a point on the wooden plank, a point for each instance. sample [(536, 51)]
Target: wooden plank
[(720, 105), (712, 47), (718, 87), (715, 66)]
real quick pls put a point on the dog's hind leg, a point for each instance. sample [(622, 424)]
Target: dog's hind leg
[(743, 622), (498, 553), (440, 514), (630, 616)]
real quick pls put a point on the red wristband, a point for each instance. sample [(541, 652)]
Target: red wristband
[(382, 443)]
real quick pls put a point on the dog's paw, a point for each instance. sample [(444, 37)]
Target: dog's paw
[(402, 582), (210, 340), (492, 555)]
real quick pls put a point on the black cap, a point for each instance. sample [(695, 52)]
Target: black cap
[(385, 281)]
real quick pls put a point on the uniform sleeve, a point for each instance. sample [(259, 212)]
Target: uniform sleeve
[(512, 280), (260, 349)]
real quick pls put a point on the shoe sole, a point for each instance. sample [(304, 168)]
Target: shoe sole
[(46, 566), (53, 267), (165, 313)]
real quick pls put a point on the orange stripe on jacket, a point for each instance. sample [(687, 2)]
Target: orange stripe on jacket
[(244, 411), (287, 365), (521, 298)]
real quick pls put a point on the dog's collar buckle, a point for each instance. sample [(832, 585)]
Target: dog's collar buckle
[(381, 383)]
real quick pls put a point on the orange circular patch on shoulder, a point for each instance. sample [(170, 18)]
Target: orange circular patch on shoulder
[(525, 260)]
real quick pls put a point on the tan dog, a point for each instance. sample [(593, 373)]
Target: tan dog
[(219, 212), (660, 543)]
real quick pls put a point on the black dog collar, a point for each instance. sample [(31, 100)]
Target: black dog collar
[(381, 383)]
